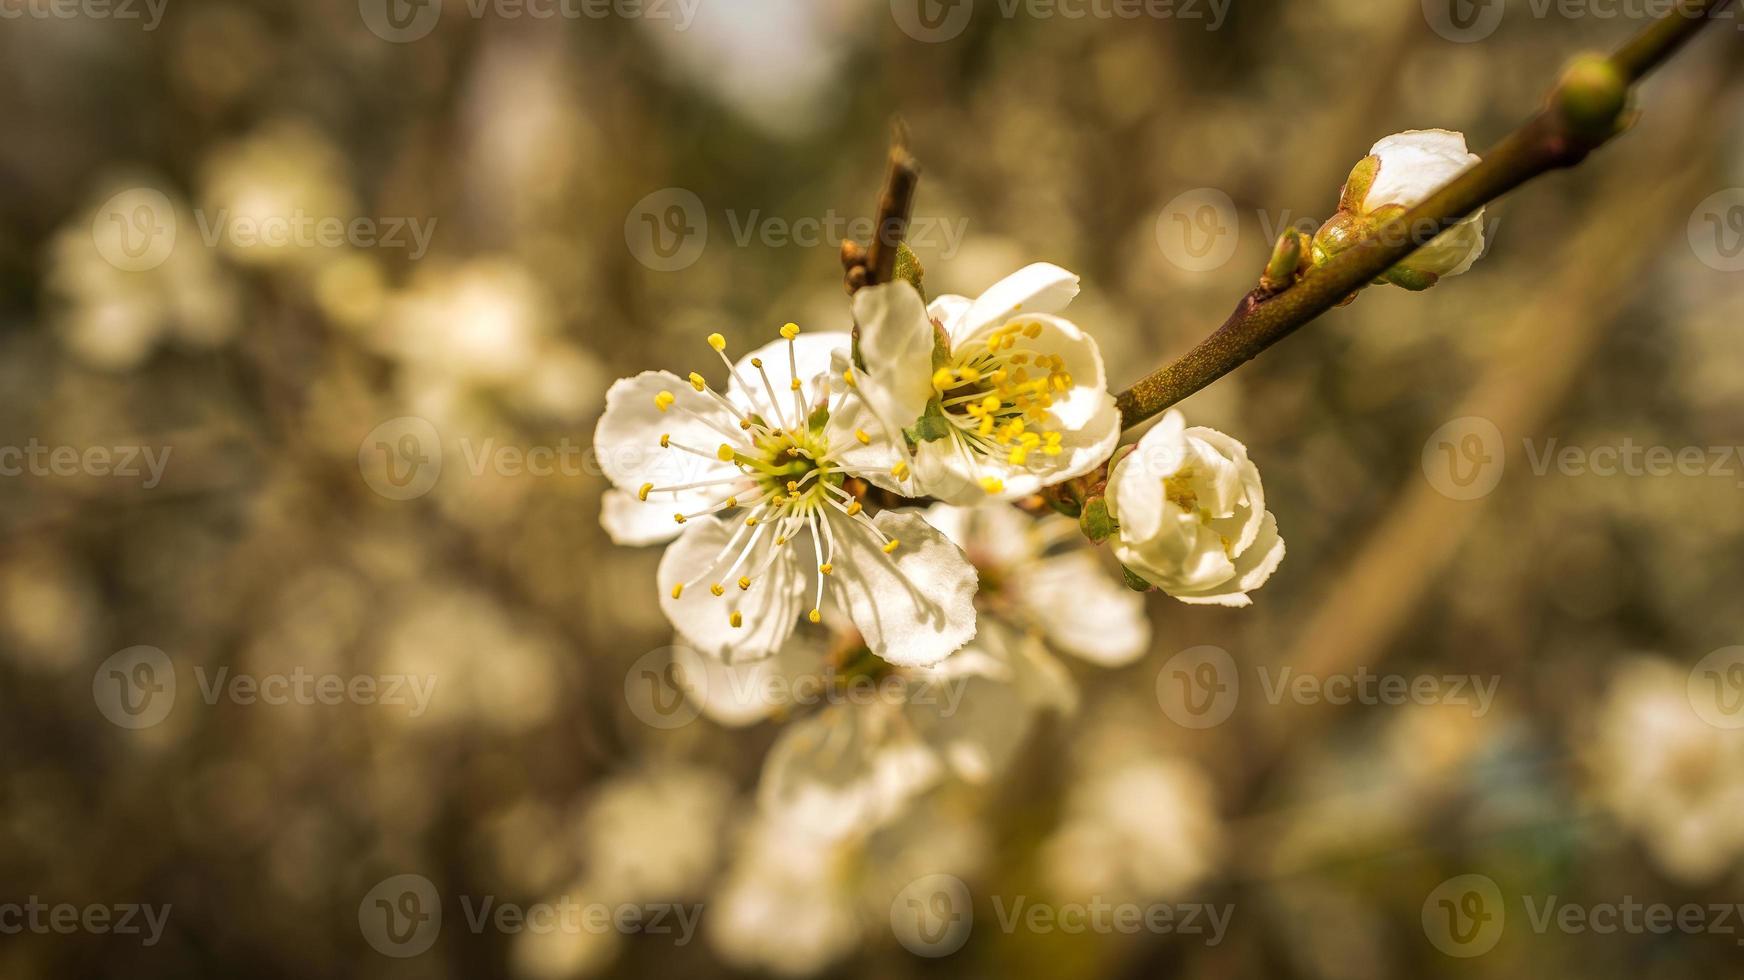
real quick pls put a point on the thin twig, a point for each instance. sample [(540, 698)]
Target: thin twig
[(1548, 141), (895, 208)]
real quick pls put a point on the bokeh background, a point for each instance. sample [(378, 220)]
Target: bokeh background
[(592, 188)]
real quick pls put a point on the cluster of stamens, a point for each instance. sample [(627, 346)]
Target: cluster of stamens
[(786, 481), (997, 396)]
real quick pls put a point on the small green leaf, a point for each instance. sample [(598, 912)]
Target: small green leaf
[(1133, 580), (932, 426), (1095, 521), (908, 268)]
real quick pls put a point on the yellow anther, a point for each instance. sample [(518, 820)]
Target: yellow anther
[(942, 379), (745, 424), (997, 377), (826, 568), (665, 440), (854, 508), (678, 590), (792, 486), (891, 546), (642, 494), (750, 522), (860, 434), (724, 453), (794, 384), (697, 382), (717, 590), (848, 376), (1017, 455), (900, 470), (717, 341), (664, 400), (757, 362), (815, 616), (779, 541), (992, 484), (990, 403), (744, 582), (968, 374), (736, 620), (731, 502), (790, 331), (678, 517), (1032, 330)]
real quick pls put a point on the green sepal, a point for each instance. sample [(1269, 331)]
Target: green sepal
[(1095, 521), (931, 426), (1134, 581)]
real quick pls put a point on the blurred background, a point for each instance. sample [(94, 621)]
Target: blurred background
[(307, 311)]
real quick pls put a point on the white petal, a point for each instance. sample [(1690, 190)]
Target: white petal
[(915, 606), (1415, 165), (845, 770), (629, 521), (874, 460), (1135, 493), (1252, 568), (770, 608), (977, 708), (1084, 610), (627, 439), (1038, 288), (747, 692), (948, 310), (811, 351), (896, 345)]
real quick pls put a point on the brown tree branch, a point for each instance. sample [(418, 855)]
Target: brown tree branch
[(1579, 118)]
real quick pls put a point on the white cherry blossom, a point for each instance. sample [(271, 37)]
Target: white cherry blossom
[(1401, 172), (999, 396), (1192, 515), (750, 480)]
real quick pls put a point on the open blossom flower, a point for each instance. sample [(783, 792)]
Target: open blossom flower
[(1009, 399), (750, 481), (1192, 515), (1401, 172), (1041, 575)]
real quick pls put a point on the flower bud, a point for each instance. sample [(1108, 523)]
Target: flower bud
[(1591, 96), (1401, 172)]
